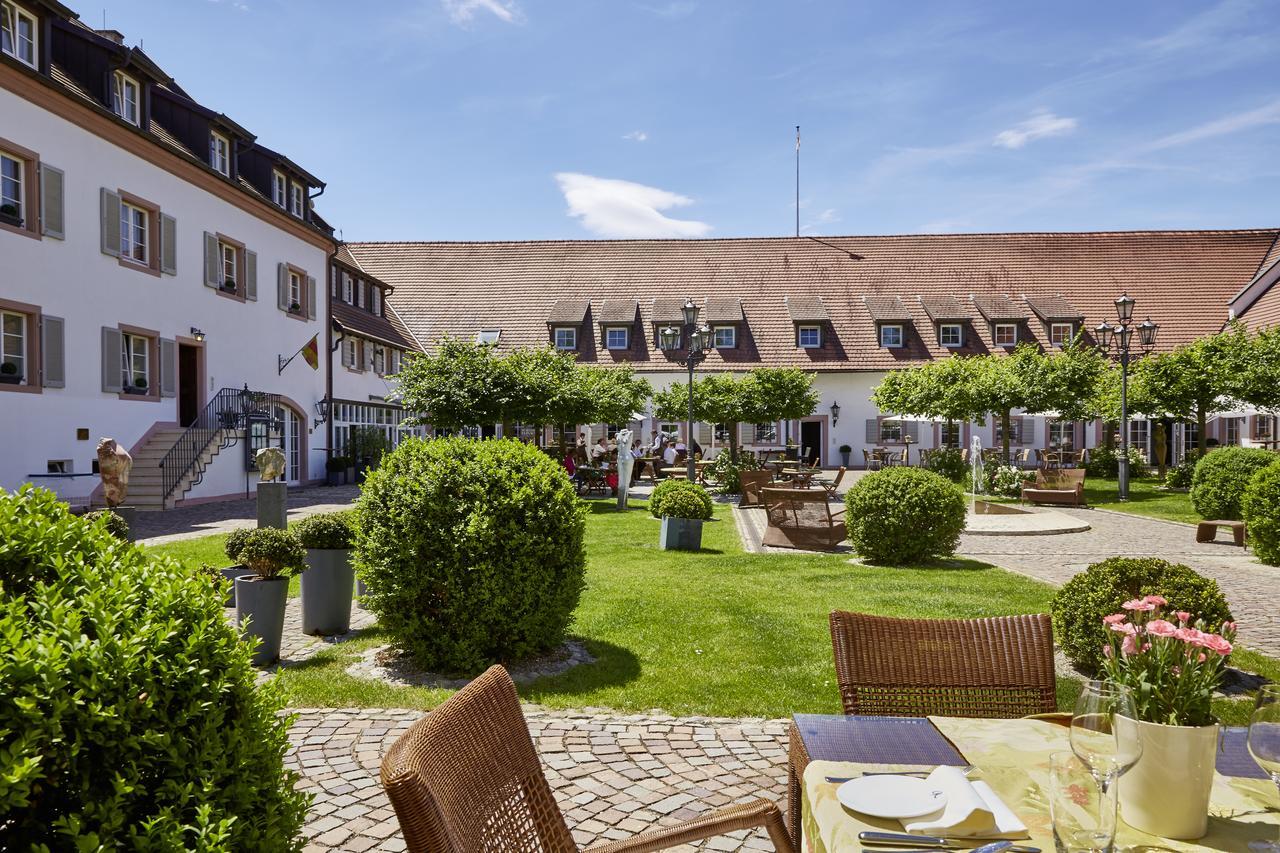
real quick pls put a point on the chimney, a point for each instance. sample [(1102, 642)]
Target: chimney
[(115, 35)]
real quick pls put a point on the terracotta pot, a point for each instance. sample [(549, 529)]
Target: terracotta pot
[(1167, 792)]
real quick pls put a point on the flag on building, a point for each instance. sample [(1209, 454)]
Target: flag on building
[(311, 352)]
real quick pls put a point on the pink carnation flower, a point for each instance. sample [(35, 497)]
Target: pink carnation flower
[(1187, 635), (1158, 600), (1183, 616), (1124, 628), (1107, 652), (1229, 627), (1114, 618), (1161, 628), (1215, 643), (1139, 604), (1129, 646)]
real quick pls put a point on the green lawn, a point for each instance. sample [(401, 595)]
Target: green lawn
[(1146, 497)]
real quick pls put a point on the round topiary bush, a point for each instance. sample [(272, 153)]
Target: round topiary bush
[(904, 515), (118, 730), (949, 462), (1261, 510), (682, 499), (1098, 591), (272, 553), (234, 542), (471, 551), (1221, 476), (326, 530), (660, 493), (114, 522)]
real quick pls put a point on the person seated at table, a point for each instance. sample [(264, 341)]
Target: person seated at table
[(669, 455), (697, 449), (580, 456), (600, 449), (682, 456)]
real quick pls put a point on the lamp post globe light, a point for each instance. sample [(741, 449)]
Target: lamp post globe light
[(699, 338), (1116, 339)]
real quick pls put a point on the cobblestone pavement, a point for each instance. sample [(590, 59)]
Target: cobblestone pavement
[(613, 776), (190, 522), (1252, 589)]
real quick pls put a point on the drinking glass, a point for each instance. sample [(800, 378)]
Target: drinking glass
[(1264, 744), (1084, 815), (1094, 738)]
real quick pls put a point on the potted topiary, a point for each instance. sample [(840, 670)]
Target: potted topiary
[(845, 450), (272, 555), (139, 385), (9, 215), (9, 373), (335, 468), (684, 506), (329, 578), (295, 308), (229, 285), (232, 546)]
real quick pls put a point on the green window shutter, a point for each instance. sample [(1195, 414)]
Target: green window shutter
[(112, 347), (168, 368), (110, 210), (282, 287), (250, 275), (52, 214), (212, 263), (311, 297), (53, 358), (168, 244)]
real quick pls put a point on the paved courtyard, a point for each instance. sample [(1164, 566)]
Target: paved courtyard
[(205, 519)]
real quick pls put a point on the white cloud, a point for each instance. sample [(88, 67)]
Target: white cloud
[(463, 12), (612, 208), (636, 136), (1041, 124), (1262, 116)]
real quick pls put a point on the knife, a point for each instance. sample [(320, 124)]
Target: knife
[(996, 847), (935, 842)]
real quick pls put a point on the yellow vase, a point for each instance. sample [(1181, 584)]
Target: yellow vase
[(1167, 792)]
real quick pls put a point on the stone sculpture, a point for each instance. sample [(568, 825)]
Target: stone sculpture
[(270, 462), (114, 463), (625, 464)]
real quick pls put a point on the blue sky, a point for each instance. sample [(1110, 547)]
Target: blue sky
[(523, 119)]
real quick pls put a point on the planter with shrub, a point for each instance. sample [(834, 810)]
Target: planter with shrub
[(682, 506), (231, 547), (9, 374), (272, 556), (113, 522), (122, 732), (904, 515), (845, 450), (949, 462), (1261, 509), (138, 387), (335, 468), (471, 551), (1220, 478), (329, 579), (9, 215), (1101, 589)]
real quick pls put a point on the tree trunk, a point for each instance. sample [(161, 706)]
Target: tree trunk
[(1006, 424), (733, 442), (1202, 438)]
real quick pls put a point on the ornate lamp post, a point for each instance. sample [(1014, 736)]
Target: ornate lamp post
[(1117, 339), (669, 338)]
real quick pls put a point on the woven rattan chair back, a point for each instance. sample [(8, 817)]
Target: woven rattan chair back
[(466, 778), (1001, 667)]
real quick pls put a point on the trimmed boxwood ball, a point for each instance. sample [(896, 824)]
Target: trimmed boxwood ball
[(1098, 591), (129, 718), (1261, 509), (471, 551), (327, 530), (273, 553), (1221, 476), (681, 499), (904, 515), (114, 522), (234, 542)]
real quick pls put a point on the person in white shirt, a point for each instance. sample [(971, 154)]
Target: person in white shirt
[(669, 455)]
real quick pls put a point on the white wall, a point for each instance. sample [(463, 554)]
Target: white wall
[(74, 280)]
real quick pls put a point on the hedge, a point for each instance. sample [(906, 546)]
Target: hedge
[(1221, 476), (904, 515), (1261, 509)]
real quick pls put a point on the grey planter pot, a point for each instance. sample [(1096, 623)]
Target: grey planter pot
[(844, 458), (680, 534), (261, 604), (231, 573), (326, 591)]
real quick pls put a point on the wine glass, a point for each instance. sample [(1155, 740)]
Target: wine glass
[(1264, 745), (1094, 736)]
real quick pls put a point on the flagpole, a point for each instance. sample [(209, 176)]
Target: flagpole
[(797, 180)]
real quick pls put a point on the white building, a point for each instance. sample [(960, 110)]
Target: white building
[(157, 261)]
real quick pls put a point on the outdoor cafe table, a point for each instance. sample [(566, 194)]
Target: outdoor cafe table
[(1012, 756)]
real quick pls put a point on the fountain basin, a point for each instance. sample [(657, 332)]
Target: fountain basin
[(996, 519)]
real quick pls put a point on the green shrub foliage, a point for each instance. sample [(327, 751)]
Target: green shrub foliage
[(1220, 479), (682, 499), (113, 522), (328, 530), (234, 542), (1261, 510), (1078, 608), (273, 553), (129, 719), (471, 551), (727, 473), (660, 493), (904, 515), (949, 462), (1179, 476), (1104, 461)]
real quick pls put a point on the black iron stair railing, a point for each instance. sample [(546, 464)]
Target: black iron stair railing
[(223, 417)]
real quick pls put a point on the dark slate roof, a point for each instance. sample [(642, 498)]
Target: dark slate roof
[(666, 311), (358, 321), (1051, 308), (998, 306), (882, 308), (722, 309), (615, 311), (569, 312), (806, 309), (941, 308)]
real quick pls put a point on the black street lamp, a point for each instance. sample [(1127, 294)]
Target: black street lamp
[(1117, 339), (669, 339)]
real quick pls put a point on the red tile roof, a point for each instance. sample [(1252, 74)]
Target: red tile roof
[(365, 324), (1050, 308), (1182, 279)]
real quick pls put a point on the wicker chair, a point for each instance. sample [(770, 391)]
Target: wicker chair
[(1000, 667), (466, 779)]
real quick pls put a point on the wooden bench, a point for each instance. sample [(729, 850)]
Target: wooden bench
[(752, 483), (1207, 531), (1063, 486), (802, 518)]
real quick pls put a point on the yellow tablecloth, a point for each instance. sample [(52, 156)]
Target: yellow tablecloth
[(1013, 757)]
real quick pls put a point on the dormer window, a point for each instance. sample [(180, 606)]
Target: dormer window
[(295, 199), (566, 338), (124, 98), (220, 154), (725, 337), (809, 337), (951, 334), (18, 33), (488, 337), (891, 335), (1061, 334), (280, 190), (1005, 334), (617, 337)]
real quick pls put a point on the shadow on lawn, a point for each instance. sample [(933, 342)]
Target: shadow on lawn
[(614, 666)]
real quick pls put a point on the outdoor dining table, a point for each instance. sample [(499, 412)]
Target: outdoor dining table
[(1012, 756), (798, 476)]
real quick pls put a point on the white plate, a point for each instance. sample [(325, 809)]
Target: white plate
[(891, 796)]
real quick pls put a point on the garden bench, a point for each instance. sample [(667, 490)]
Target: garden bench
[(1063, 486), (752, 483), (802, 518), (1207, 531)]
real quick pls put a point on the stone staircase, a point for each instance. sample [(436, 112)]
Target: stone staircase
[(146, 482)]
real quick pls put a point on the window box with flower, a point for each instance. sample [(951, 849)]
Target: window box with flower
[(10, 215), (9, 374)]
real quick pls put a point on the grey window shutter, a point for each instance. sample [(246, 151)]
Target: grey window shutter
[(112, 347), (168, 368), (311, 297), (873, 431), (110, 208), (703, 434), (53, 358), (168, 244), (1027, 434), (52, 216), (212, 263), (251, 275), (346, 354), (746, 434), (911, 429), (282, 287)]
